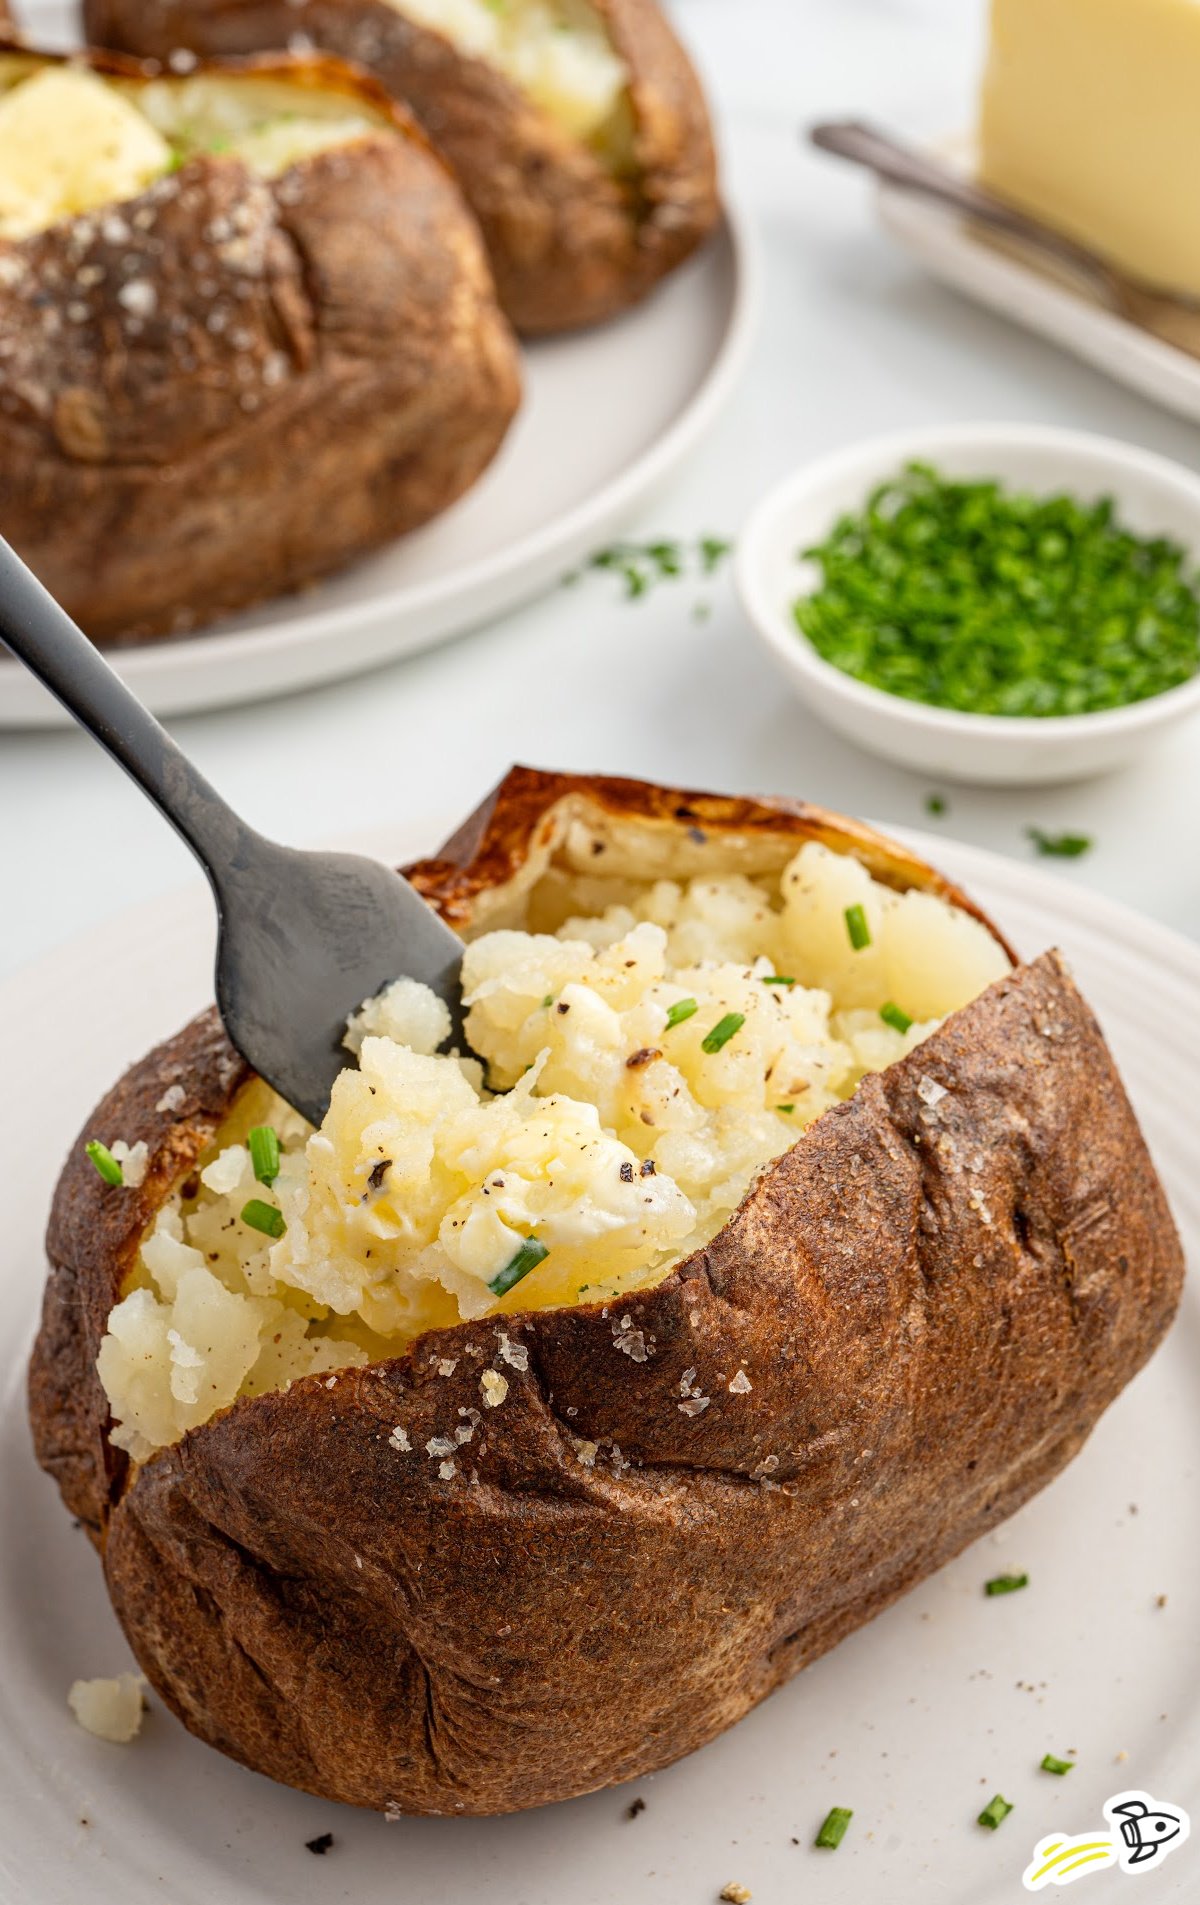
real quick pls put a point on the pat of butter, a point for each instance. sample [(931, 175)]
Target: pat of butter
[(68, 143), (1091, 120)]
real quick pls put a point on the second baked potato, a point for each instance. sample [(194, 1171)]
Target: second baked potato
[(491, 1445), (577, 128), (247, 332)]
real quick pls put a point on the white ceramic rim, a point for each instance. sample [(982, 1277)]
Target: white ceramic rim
[(774, 624), (169, 659)]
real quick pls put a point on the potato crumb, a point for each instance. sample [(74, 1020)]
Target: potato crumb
[(494, 1386), (134, 1160), (110, 1709), (735, 1894)]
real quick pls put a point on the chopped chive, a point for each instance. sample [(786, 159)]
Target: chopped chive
[(895, 1016), (997, 1808), (1052, 1765), (265, 1217), (833, 1828), (856, 926), (935, 804), (785, 1107), (1060, 846), (105, 1162), (547, 1001), (777, 979), (681, 1010), (722, 1032), (1006, 1583), (527, 1258), (264, 1152)]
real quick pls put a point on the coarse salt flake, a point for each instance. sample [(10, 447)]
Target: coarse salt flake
[(741, 1384), (495, 1388)]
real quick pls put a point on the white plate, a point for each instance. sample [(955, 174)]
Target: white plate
[(914, 1722), (1032, 294), (608, 416)]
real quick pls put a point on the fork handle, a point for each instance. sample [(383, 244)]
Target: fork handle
[(916, 171), (43, 637)]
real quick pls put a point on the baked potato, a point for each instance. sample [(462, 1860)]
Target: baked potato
[(577, 128), (491, 1445), (247, 332)]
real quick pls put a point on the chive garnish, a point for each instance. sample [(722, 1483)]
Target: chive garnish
[(777, 979), (1052, 1765), (975, 596), (1060, 846), (265, 1217), (833, 1828), (1006, 1583), (785, 1107), (997, 1808), (105, 1162), (722, 1032), (527, 1258), (935, 804), (548, 1001), (681, 1010), (856, 926), (895, 1016), (264, 1152)]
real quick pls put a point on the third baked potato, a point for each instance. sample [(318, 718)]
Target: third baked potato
[(503, 1440), (248, 332), (577, 128)]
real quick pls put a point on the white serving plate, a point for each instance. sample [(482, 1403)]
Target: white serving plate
[(1024, 288), (914, 1722), (608, 416)]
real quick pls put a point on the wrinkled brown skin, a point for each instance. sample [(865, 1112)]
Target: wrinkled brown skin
[(569, 243), (324, 369), (933, 1306)]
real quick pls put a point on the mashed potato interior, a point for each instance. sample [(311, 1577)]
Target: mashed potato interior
[(71, 141), (636, 1067), (556, 51)]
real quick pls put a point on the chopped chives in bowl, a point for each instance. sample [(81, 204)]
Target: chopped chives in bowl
[(972, 596)]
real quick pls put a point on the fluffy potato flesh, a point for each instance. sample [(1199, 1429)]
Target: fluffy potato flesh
[(73, 141), (555, 51), (638, 1063)]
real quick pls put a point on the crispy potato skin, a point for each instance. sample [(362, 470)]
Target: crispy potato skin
[(226, 388), (538, 1624), (569, 243)]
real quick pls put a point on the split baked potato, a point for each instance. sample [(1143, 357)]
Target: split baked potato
[(247, 333), (496, 1443), (577, 128)]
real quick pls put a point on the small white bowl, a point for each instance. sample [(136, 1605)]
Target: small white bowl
[(1153, 497)]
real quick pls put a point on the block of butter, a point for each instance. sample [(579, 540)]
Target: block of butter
[(1091, 120)]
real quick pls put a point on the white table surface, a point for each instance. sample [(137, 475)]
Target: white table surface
[(853, 340)]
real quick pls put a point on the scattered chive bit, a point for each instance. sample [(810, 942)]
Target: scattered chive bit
[(264, 1217), (972, 596), (1006, 1583), (895, 1016), (1060, 846), (856, 926), (833, 1828), (936, 805), (681, 1010), (788, 1108), (320, 1845), (527, 1258), (778, 979), (105, 1162), (548, 1001), (641, 564), (1052, 1765), (997, 1808), (264, 1152), (722, 1032)]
